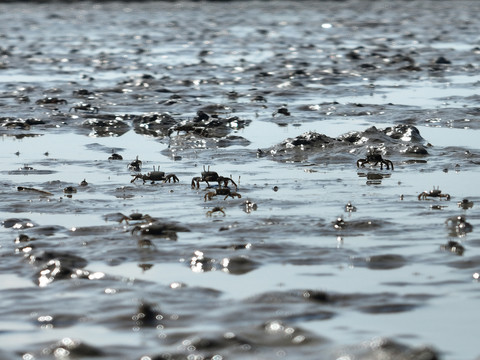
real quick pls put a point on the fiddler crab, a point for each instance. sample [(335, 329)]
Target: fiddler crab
[(135, 165), (211, 176), (70, 190), (282, 110), (339, 223), (374, 157), (51, 100), (350, 207), (157, 229), (155, 175), (465, 204), (115, 156), (222, 191), (249, 206), (135, 217), (216, 209), (154, 230), (433, 193), (84, 107)]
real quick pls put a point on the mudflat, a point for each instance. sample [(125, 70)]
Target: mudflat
[(239, 179)]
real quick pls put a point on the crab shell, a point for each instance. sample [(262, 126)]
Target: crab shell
[(156, 175), (209, 175)]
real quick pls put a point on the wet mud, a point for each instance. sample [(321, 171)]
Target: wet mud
[(198, 180)]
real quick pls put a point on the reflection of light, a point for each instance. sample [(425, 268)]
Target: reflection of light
[(45, 318), (67, 342), (298, 339), (96, 276), (196, 263), (326, 26), (175, 285), (274, 326), (61, 353), (225, 262)]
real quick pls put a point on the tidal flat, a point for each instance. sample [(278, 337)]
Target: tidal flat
[(328, 163)]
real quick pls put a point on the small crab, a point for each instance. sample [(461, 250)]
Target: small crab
[(155, 175), (135, 217), (374, 157), (84, 107), (339, 223), (281, 110), (258, 98), (158, 229), (249, 206), (70, 190), (208, 176), (214, 210), (26, 168), (50, 100), (135, 165), (83, 92), (433, 193), (232, 95), (154, 230), (350, 208), (115, 156), (465, 204), (222, 191)]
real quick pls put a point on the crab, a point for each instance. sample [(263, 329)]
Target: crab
[(155, 175), (84, 107), (222, 191), (208, 176), (115, 156), (83, 92), (158, 229), (374, 157), (135, 165), (281, 110), (155, 230), (51, 100), (350, 208), (135, 217), (339, 223), (214, 210), (433, 193), (465, 204), (249, 206), (70, 190)]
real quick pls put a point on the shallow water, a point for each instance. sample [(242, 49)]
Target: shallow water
[(284, 105)]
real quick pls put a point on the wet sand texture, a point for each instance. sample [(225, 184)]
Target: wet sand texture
[(239, 180)]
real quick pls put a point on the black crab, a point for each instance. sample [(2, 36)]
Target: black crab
[(211, 176), (155, 175), (374, 157)]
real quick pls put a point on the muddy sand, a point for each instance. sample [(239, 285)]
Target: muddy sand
[(238, 180)]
